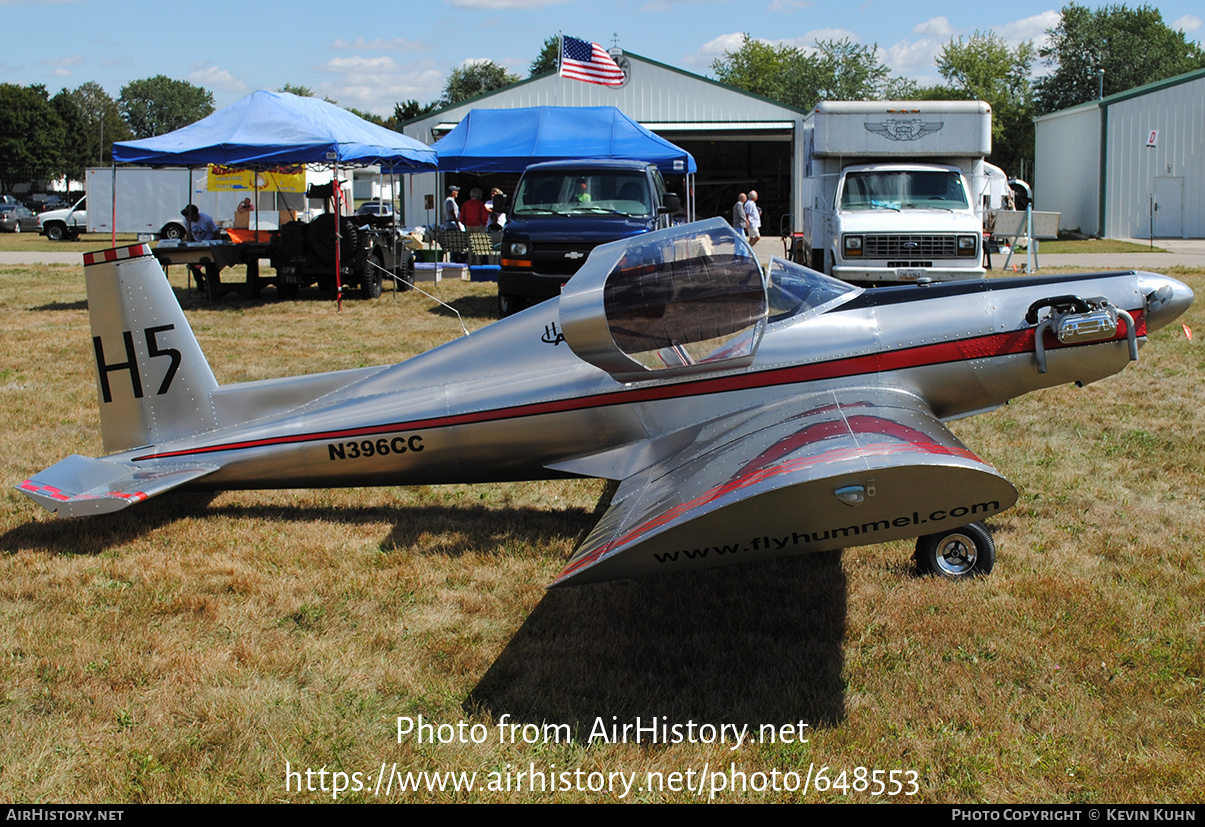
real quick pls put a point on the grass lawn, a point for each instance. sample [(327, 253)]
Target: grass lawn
[(216, 648), (1095, 245)]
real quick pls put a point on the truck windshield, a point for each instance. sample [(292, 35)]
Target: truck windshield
[(583, 192), (903, 190)]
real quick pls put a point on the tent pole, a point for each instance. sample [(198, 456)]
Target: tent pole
[(337, 194), (114, 205)]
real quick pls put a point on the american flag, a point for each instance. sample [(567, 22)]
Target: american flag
[(582, 60)]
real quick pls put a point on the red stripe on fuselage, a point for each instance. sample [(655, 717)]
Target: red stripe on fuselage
[(963, 350)]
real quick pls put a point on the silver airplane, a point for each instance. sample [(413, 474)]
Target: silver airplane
[(745, 413)]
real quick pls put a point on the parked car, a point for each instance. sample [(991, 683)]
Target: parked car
[(17, 218), (375, 208)]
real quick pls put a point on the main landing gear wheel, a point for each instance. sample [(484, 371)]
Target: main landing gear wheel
[(957, 554)]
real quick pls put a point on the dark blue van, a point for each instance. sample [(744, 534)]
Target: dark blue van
[(562, 210)]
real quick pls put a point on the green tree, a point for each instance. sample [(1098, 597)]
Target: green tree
[(833, 70), (368, 116), (299, 91), (102, 122), (154, 106), (984, 67), (475, 79), (31, 135), (550, 53), (73, 153), (408, 110), (1133, 46)]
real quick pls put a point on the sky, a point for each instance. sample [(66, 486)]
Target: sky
[(368, 55)]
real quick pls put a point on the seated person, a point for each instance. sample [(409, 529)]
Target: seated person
[(200, 225)]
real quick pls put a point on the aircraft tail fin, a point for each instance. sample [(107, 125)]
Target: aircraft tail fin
[(80, 486), (152, 379)]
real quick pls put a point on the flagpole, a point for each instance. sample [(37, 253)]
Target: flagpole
[(560, 56)]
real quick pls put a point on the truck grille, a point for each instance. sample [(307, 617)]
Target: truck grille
[(560, 258), (910, 246), (561, 247)]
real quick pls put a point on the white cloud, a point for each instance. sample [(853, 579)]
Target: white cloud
[(937, 26), (341, 65), (62, 73), (1187, 23), (499, 5), (380, 44), (914, 58), (712, 50), (1030, 27), (211, 77), (375, 84)]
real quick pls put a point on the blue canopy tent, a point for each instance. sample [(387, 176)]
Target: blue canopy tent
[(510, 140), (270, 128), (267, 129)]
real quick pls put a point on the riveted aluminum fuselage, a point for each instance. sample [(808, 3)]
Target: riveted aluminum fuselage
[(512, 400)]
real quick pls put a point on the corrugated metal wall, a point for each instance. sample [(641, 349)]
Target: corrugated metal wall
[(1133, 169), (655, 94), (1067, 167)]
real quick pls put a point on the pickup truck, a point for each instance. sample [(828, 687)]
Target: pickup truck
[(564, 209)]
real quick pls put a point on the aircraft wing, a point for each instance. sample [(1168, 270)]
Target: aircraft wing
[(841, 468), (81, 486)]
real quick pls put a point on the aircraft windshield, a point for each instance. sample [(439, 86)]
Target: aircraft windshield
[(686, 299), (797, 291), (585, 192), (903, 190)]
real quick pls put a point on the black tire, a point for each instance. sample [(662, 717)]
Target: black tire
[(321, 237), (56, 231), (17, 226), (403, 273), (370, 282), (287, 291), (172, 231), (509, 305), (957, 554)]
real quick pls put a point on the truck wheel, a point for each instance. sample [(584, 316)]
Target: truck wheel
[(56, 231), (403, 273), (173, 231), (321, 237), (509, 305), (370, 282), (287, 291)]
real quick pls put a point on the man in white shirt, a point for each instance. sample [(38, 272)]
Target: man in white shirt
[(753, 230)]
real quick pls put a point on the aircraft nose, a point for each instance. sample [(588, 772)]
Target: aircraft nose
[(1166, 299)]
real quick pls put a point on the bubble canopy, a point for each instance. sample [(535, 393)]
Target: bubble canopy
[(689, 299)]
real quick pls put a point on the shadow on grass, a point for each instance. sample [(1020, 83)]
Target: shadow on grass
[(469, 527), (745, 645), (470, 307), (82, 304)]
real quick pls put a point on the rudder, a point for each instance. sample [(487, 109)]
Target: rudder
[(153, 382)]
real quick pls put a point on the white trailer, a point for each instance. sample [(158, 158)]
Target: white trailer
[(892, 190), (148, 201)]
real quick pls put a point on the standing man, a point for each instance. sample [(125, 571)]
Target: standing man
[(739, 220), (452, 209), (753, 230)]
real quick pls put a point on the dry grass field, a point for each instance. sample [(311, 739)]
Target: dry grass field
[(193, 648)]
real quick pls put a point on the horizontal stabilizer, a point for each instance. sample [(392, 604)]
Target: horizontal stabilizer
[(80, 486)]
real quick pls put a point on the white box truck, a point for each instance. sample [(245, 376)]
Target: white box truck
[(148, 201), (892, 190)]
